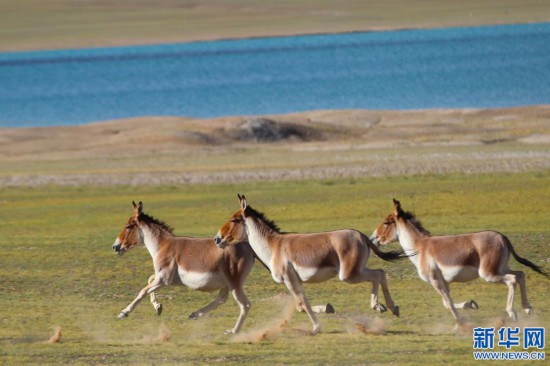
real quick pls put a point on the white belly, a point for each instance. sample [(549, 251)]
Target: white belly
[(316, 274), (459, 273), (202, 281)]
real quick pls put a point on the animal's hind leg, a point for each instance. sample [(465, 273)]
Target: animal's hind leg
[(222, 298), (244, 305), (510, 280), (386, 290), (153, 297), (378, 278), (520, 278)]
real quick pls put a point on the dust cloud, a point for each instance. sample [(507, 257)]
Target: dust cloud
[(364, 324), (163, 334), (56, 337), (271, 329)]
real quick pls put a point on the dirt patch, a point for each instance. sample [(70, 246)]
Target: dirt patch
[(267, 130)]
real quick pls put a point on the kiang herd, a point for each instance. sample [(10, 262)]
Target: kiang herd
[(223, 263)]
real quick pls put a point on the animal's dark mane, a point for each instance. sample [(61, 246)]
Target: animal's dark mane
[(249, 211), (151, 220), (410, 217)]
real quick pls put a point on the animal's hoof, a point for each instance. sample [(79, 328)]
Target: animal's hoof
[(158, 308), (460, 321), (123, 315), (473, 305), (395, 311), (459, 325), (463, 327), (193, 316), (529, 311), (380, 308), (230, 331), (329, 309), (513, 315)]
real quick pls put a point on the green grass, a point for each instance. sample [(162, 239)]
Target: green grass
[(57, 269)]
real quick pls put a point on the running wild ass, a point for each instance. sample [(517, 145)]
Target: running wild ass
[(456, 258), (193, 262), (296, 258)]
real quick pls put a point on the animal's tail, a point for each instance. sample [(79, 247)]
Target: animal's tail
[(387, 256), (524, 261)]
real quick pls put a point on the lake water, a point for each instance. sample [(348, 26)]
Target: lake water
[(497, 66)]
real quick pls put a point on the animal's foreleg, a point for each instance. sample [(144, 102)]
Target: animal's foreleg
[(293, 283), (222, 298), (461, 305), (317, 309), (299, 306), (467, 305), (157, 283), (244, 305), (440, 286), (320, 309), (153, 297)]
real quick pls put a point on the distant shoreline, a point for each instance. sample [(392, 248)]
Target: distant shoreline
[(38, 25), (257, 37)]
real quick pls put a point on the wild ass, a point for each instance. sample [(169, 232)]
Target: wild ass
[(456, 258), (316, 257), (193, 262)]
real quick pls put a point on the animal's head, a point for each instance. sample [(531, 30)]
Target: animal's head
[(234, 230), (131, 235), (386, 232)]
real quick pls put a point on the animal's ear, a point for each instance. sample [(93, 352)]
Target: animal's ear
[(242, 200), (138, 209), (397, 206)]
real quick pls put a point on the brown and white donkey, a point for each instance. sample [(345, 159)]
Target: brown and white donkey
[(456, 258)]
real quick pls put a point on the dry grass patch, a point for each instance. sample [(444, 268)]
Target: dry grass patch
[(309, 145)]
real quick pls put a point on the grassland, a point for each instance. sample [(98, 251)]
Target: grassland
[(54, 24), (58, 269), (65, 194)]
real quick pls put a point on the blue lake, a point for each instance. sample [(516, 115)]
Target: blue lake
[(497, 66)]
